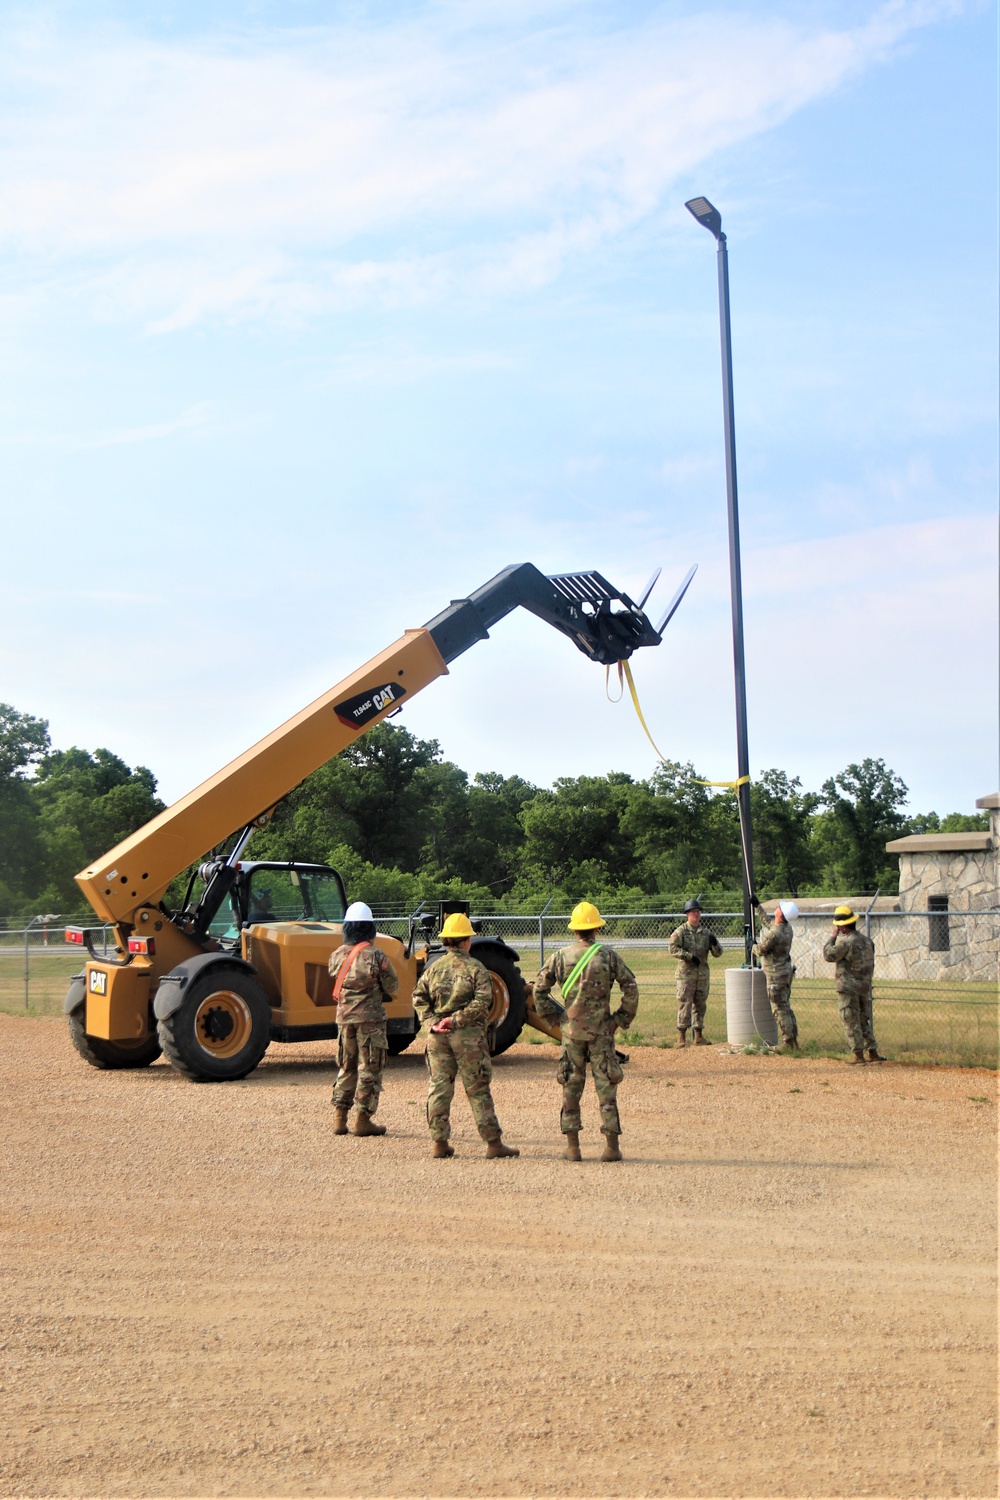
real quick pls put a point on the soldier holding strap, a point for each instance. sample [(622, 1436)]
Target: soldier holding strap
[(854, 955), (774, 948), (585, 973), (361, 975), (691, 945), (455, 994)]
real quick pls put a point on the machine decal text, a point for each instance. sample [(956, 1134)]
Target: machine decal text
[(358, 711)]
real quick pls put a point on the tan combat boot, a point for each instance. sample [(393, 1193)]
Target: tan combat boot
[(497, 1148), (611, 1151), (441, 1149), (365, 1125), (682, 1033), (700, 1039), (339, 1121), (858, 1058), (572, 1152)]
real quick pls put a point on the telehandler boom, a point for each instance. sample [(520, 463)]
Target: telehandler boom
[(211, 991)]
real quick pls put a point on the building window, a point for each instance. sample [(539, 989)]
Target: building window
[(940, 934)]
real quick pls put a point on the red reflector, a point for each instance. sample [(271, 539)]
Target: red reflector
[(142, 945), (74, 935)]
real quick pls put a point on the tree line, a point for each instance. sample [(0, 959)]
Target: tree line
[(404, 825)]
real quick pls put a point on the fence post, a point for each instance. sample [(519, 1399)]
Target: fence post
[(868, 914), (27, 997), (541, 932)]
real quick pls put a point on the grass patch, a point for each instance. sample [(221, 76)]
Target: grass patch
[(948, 1023)]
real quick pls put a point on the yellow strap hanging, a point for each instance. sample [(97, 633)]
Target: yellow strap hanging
[(635, 701), (623, 666)]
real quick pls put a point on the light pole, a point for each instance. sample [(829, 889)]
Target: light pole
[(709, 218)]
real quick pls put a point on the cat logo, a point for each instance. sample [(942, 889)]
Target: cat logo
[(361, 710), (98, 982)]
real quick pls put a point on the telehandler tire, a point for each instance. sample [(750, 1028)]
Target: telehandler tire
[(221, 1029), (101, 1053), (397, 1042), (509, 1000)]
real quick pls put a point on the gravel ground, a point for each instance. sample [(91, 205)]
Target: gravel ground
[(786, 1289)]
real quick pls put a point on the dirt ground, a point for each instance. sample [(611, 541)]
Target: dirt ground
[(788, 1288)]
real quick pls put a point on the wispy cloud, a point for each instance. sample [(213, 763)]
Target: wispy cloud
[(202, 418), (281, 173)]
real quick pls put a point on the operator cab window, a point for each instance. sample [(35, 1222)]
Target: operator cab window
[(294, 896)]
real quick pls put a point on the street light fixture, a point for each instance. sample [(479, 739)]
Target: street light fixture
[(709, 218)]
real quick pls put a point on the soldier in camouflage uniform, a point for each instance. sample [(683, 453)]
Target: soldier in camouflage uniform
[(774, 948), (854, 955), (361, 975), (456, 995), (588, 1025), (691, 945)]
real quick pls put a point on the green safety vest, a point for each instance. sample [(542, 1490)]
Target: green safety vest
[(578, 969)]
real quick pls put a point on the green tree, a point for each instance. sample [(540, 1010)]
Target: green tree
[(952, 823), (488, 843), (682, 835), (371, 798), (23, 741), (781, 815), (574, 835), (861, 813), (86, 804)]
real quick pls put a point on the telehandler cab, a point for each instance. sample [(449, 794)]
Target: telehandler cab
[(243, 961)]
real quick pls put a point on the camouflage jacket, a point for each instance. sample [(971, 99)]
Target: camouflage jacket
[(370, 977), (774, 948), (588, 1015), (456, 985), (687, 942), (854, 955)]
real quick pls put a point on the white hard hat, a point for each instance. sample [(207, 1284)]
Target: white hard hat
[(358, 912), (788, 910)]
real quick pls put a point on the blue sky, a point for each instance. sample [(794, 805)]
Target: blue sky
[(313, 317)]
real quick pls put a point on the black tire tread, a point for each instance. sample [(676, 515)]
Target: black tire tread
[(103, 1054), (171, 1031), (511, 1027)]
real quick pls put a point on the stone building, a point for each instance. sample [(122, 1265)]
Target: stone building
[(950, 871), (943, 926), (949, 882)]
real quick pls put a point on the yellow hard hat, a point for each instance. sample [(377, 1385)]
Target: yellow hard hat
[(844, 917), (457, 926), (585, 916)]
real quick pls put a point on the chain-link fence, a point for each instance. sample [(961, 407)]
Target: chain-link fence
[(937, 975)]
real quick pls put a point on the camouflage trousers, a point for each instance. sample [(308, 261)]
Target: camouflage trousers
[(856, 1014), (779, 992), (572, 1074), (692, 995), (361, 1050), (464, 1053)]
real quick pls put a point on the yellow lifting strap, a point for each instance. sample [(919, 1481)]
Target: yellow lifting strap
[(625, 669), (623, 666)]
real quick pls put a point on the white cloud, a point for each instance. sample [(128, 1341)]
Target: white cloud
[(281, 173)]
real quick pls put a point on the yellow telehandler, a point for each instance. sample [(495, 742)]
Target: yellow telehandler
[(243, 961)]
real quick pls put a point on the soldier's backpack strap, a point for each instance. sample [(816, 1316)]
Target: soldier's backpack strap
[(345, 968), (578, 969)]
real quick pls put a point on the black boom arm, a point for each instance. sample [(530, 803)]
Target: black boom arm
[(578, 604)]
